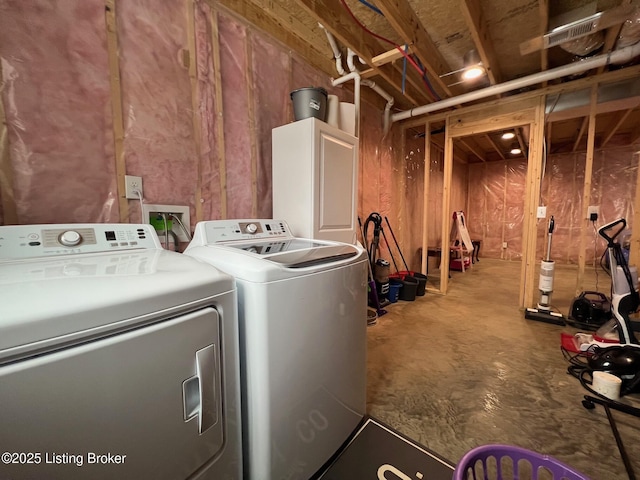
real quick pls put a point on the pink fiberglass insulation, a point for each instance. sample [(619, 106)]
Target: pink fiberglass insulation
[(562, 195), (237, 131), (377, 158), (414, 202), (499, 184), (58, 112), (495, 186), (304, 75), (516, 176), (206, 91), (156, 100), (272, 107)]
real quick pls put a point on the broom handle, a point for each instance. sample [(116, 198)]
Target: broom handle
[(397, 246)]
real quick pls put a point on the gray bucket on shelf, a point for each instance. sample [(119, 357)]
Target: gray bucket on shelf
[(309, 102)]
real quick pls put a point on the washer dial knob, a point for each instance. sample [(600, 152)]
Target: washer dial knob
[(251, 228), (70, 238)]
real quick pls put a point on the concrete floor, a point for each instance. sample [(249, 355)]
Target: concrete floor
[(466, 369)]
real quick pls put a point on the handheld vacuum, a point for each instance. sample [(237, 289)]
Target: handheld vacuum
[(544, 311)]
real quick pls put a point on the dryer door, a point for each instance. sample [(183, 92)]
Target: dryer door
[(125, 406)]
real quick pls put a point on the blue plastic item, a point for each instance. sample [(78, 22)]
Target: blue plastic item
[(394, 290)]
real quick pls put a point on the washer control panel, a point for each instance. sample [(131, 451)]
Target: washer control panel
[(216, 231), (34, 241)]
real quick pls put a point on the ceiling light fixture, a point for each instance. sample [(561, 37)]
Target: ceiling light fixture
[(515, 151), (471, 70), (472, 66), (508, 135)]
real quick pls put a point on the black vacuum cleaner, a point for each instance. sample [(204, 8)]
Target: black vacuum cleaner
[(544, 313)]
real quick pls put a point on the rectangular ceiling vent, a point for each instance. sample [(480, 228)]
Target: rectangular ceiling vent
[(572, 31)]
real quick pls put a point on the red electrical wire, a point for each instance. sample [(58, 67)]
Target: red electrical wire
[(398, 47)]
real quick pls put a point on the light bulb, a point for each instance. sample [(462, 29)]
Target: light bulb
[(473, 72), (508, 135)]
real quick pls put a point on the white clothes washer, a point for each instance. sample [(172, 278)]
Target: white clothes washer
[(118, 359), (302, 313)]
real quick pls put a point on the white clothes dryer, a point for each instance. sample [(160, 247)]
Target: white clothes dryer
[(118, 359), (302, 312)]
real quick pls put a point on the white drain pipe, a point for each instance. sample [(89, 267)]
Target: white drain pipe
[(618, 56), (355, 76), (337, 54), (386, 122)]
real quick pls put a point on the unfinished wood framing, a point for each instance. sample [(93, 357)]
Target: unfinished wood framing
[(586, 193), (195, 106), (520, 111), (116, 108), (253, 141), (446, 209), (582, 83), (388, 57), (474, 16), (511, 114), (222, 158), (532, 195), (425, 198), (583, 128), (615, 127)]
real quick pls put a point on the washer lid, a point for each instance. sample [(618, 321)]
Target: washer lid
[(299, 253), (59, 300)]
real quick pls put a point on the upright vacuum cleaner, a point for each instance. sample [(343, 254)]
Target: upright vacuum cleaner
[(625, 300), (544, 312)]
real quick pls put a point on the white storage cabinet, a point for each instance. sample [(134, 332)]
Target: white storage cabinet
[(315, 180)]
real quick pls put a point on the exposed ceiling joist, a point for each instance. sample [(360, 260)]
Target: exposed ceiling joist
[(472, 12), (291, 35), (332, 15), (611, 37), (407, 24), (495, 147), (543, 9), (473, 147)]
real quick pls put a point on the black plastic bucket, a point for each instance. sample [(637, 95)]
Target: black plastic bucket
[(409, 288), (309, 102), (422, 281)]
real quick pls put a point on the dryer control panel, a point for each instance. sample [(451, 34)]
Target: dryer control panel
[(35, 241), (216, 231)]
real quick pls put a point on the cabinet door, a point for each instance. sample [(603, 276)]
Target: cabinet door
[(123, 396), (335, 211)]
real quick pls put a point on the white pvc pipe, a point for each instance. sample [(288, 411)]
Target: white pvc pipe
[(387, 109), (619, 56), (336, 51), (355, 76), (350, 64)]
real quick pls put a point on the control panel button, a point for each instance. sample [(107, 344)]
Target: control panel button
[(251, 228), (70, 238)]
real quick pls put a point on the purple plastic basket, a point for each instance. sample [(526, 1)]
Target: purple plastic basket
[(525, 465)]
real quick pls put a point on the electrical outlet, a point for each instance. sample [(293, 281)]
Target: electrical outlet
[(504, 244), (150, 213), (131, 186), (542, 212), (593, 209)]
